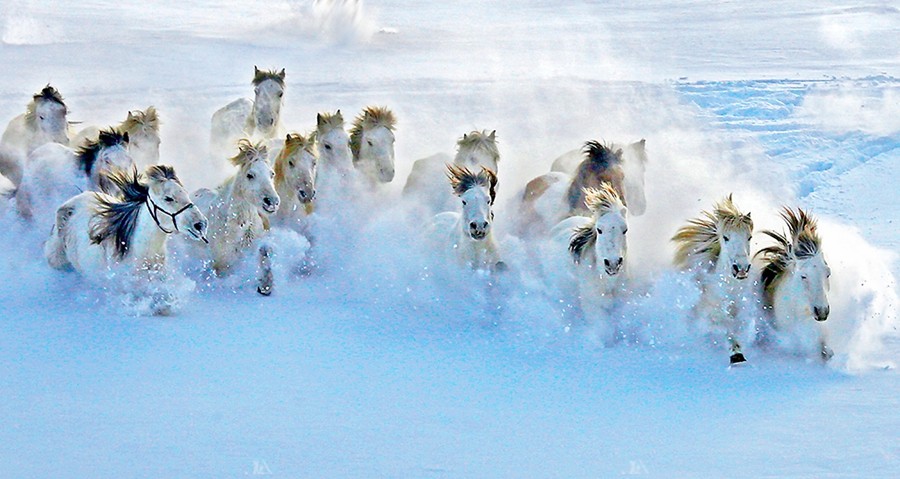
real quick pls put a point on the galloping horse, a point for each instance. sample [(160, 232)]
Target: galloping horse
[(597, 248), (256, 120), (554, 196), (94, 231), (55, 172), (372, 144), (236, 210), (475, 150), (142, 128), (295, 180), (795, 285), (44, 121), (469, 234), (716, 247)]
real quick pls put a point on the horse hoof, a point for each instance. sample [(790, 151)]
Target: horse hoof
[(264, 290), (738, 358)]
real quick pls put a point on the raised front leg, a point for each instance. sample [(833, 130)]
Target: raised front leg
[(265, 280)]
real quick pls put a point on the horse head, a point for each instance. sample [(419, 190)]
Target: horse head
[(372, 144), (47, 112), (170, 204), (268, 87), (477, 193), (333, 141), (295, 166), (254, 182)]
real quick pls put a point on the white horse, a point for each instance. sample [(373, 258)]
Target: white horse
[(95, 233), (597, 247), (295, 181), (716, 248), (256, 120), (236, 210), (634, 167), (469, 234), (44, 121), (372, 144), (142, 128), (475, 150), (795, 286), (333, 144), (55, 172)]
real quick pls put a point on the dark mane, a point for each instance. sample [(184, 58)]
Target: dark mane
[(802, 241), (49, 94), (87, 154), (260, 76), (599, 156), (462, 179), (583, 237), (118, 219)]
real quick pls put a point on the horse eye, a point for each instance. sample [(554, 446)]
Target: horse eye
[(726, 238), (271, 174), (464, 202), (169, 199), (803, 276), (291, 164), (369, 142), (327, 146), (250, 176), (41, 117), (599, 231), (280, 94), (625, 231)]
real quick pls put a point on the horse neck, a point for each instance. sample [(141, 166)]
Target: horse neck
[(237, 207), (148, 245)]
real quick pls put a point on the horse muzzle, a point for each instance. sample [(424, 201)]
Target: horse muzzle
[(821, 314), (740, 272), (613, 268), (306, 197), (270, 205)]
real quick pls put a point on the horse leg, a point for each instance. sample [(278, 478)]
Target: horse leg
[(265, 280), (55, 247)]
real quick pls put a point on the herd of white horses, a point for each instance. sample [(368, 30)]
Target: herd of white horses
[(107, 202)]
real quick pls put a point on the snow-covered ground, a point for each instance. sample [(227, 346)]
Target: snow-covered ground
[(384, 364)]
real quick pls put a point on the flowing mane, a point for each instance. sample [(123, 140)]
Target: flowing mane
[(600, 165), (87, 154), (292, 143), (371, 117), (601, 200), (462, 179), (48, 93), (137, 120), (118, 219), (260, 76), (480, 140), (326, 122), (700, 238), (801, 242), (249, 152)]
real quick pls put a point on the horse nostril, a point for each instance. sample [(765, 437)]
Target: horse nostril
[(473, 225), (267, 201), (313, 195), (734, 269), (619, 263), (606, 263), (199, 225), (303, 194)]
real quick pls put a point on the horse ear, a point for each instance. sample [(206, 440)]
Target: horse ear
[(255, 70), (619, 153), (319, 120), (130, 117), (287, 137), (493, 135), (465, 136), (281, 74)]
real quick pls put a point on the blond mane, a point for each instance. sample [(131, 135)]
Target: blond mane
[(802, 241), (603, 200), (147, 121), (480, 140), (326, 122), (371, 117), (260, 76), (249, 152), (700, 238), (292, 143)]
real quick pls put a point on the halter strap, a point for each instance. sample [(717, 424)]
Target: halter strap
[(155, 210)]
